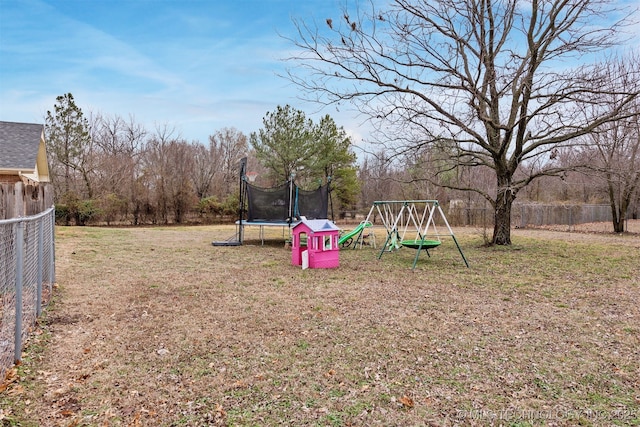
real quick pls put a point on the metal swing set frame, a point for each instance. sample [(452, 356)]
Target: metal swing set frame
[(402, 216)]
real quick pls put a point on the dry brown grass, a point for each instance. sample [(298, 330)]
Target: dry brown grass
[(156, 327)]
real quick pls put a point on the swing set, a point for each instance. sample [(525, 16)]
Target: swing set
[(412, 224)]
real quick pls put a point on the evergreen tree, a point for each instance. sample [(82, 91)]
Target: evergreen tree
[(292, 145), (69, 146), (334, 160), (285, 144)]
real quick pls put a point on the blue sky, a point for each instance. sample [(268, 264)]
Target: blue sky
[(196, 65)]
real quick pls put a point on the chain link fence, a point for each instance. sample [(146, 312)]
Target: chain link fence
[(534, 215), (531, 215), (27, 274)]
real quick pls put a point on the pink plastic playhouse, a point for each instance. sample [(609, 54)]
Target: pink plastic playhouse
[(315, 244)]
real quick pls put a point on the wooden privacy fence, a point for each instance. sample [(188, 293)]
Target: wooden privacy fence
[(18, 199)]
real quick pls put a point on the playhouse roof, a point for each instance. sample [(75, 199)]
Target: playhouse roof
[(318, 225)]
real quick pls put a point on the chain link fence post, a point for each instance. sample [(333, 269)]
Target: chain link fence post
[(18, 290)]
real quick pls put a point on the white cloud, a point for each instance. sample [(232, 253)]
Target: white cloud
[(198, 66)]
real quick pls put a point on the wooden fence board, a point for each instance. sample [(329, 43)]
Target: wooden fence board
[(17, 199)]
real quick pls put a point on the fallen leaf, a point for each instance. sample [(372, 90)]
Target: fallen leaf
[(136, 421), (406, 401), (16, 390), (220, 412), (11, 375)]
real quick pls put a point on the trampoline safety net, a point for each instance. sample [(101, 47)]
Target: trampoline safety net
[(275, 204), (268, 204), (312, 204)]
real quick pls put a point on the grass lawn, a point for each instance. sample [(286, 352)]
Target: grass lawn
[(156, 327)]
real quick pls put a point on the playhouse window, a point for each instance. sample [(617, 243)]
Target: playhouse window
[(327, 243)]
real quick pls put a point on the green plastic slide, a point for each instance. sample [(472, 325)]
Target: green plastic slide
[(353, 232)]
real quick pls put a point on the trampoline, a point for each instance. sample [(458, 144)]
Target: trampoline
[(279, 206)]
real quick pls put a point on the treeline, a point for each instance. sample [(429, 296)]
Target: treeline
[(127, 175), (112, 170), (585, 173)]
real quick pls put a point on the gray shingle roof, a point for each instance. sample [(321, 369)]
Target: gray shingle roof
[(19, 143)]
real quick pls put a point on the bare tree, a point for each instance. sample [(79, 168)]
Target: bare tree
[(227, 147), (498, 78), (204, 171), (216, 168), (379, 180), (179, 163), (119, 144), (168, 167), (615, 146)]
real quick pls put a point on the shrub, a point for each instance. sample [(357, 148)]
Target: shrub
[(209, 206), (230, 205), (62, 214), (87, 212), (111, 207)]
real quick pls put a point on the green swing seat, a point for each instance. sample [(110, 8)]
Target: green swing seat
[(421, 244)]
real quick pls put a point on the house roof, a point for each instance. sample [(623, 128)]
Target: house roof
[(318, 225), (19, 145)]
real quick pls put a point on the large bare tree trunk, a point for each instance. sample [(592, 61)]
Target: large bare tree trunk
[(618, 223), (502, 214), (619, 208), (502, 226)]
